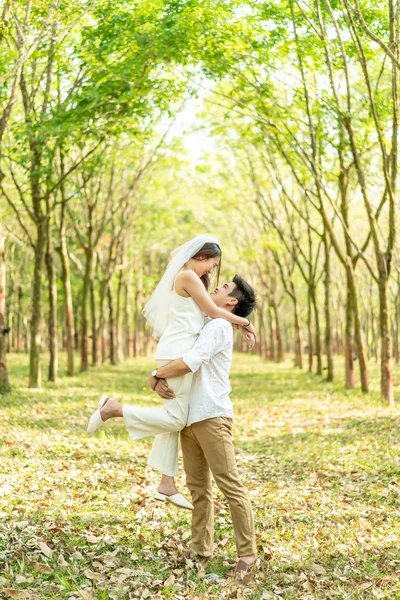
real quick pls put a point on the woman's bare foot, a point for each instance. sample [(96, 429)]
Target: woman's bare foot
[(167, 486), (111, 408)]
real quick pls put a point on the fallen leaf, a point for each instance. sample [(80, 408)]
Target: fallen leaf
[(317, 569), (44, 568), (169, 581), (19, 594), (87, 595), (92, 539), (44, 549)]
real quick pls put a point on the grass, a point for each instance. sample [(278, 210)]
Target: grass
[(321, 464)]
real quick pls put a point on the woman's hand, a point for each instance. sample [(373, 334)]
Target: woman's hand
[(251, 329), (251, 340)]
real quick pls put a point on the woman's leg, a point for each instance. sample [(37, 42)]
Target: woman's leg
[(143, 422), (163, 456)]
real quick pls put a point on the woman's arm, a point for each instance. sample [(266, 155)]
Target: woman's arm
[(193, 285)]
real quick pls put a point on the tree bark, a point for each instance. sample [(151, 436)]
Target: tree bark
[(127, 321), (396, 350), (118, 334), (358, 335), (52, 287), (95, 339), (328, 329), (68, 304), (35, 375), (113, 349), (386, 359), (4, 383), (87, 282), (309, 331), (19, 320), (298, 344), (348, 344), (272, 352), (279, 343)]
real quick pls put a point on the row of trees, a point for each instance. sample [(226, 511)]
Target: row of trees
[(301, 188), (315, 132)]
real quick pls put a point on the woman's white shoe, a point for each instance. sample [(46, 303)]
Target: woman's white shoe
[(95, 421), (176, 499)]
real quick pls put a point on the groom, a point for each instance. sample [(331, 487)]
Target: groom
[(207, 439)]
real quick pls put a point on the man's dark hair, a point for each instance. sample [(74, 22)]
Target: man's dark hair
[(245, 295)]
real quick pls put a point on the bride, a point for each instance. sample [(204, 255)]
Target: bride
[(176, 311)]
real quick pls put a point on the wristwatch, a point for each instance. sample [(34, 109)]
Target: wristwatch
[(154, 374)]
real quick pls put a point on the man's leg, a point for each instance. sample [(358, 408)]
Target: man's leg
[(214, 436), (198, 479)]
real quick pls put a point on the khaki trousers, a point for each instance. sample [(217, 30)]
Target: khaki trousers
[(207, 448)]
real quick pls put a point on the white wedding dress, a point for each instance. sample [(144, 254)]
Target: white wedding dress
[(184, 324)]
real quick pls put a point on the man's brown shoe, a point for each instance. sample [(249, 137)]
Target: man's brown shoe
[(241, 567), (191, 555)]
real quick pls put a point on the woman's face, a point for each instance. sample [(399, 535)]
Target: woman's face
[(206, 265)]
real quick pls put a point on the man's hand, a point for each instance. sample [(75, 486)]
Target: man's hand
[(163, 390), (160, 387), (152, 382)]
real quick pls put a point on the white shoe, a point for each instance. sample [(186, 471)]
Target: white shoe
[(176, 499), (95, 421)]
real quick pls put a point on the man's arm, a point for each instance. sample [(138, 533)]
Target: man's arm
[(176, 368), (210, 341)]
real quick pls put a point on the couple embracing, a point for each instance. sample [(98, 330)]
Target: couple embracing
[(194, 357)]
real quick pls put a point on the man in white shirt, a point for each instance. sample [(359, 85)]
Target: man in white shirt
[(207, 439)]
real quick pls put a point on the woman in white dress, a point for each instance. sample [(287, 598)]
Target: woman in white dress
[(176, 311)]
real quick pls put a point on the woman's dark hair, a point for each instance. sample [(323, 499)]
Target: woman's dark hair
[(209, 250), (245, 295)]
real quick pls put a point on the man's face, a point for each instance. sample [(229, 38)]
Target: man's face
[(219, 295)]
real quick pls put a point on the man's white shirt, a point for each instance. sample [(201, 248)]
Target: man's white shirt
[(212, 351)]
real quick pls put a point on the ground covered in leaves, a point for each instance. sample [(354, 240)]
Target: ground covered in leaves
[(77, 518)]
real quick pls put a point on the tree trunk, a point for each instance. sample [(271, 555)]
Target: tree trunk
[(263, 332), (136, 330), (87, 282), (68, 304), (396, 350), (95, 338), (271, 334), (35, 375), (113, 350), (118, 334), (348, 346), (328, 330), (4, 383), (279, 344), (386, 359), (102, 335), (309, 331), (19, 320), (318, 346), (298, 345), (52, 323), (362, 359), (127, 322)]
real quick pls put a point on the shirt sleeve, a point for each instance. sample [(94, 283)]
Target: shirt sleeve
[(213, 338)]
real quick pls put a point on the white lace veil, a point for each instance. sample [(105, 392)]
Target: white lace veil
[(157, 308)]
